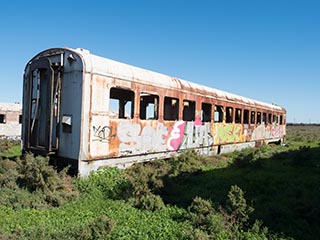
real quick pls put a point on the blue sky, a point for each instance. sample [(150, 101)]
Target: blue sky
[(265, 50)]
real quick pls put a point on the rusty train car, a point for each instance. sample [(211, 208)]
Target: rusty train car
[(98, 112)]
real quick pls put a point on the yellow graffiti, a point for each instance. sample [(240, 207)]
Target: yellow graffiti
[(227, 133)]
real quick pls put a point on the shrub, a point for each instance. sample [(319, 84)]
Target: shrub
[(32, 182), (237, 206), (248, 158), (203, 216), (109, 181)]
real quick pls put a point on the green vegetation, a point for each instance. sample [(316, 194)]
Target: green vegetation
[(270, 192), (10, 148)]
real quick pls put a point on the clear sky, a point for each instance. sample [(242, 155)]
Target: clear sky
[(268, 50)]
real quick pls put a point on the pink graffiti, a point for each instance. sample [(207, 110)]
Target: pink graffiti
[(176, 135), (197, 122)]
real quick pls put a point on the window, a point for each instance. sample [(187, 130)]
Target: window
[(238, 115), (149, 106), (121, 103), (275, 119), (2, 118), (171, 108), (264, 118), (281, 119), (253, 117), (206, 112), (258, 117), (246, 116), (218, 113), (269, 118), (20, 119), (67, 123), (189, 110), (229, 114)]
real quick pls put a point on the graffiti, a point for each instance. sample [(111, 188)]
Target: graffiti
[(276, 131), (267, 132), (176, 135), (135, 140), (189, 135), (197, 136), (260, 133), (224, 133), (103, 133)]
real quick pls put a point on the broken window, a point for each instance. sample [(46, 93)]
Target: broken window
[(246, 116), (229, 114), (189, 110), (258, 117), (253, 117), (218, 113), (2, 118), (238, 115), (121, 103), (206, 112), (149, 106), (275, 119), (67, 123), (171, 108), (269, 118), (264, 118)]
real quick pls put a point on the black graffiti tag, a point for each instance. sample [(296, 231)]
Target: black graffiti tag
[(103, 133)]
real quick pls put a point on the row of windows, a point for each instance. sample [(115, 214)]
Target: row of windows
[(121, 106), (3, 118)]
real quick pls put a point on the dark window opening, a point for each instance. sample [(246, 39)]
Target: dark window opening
[(67, 123), (121, 103), (2, 118), (275, 119), (229, 114), (281, 119), (20, 119), (206, 112), (269, 118), (189, 110), (264, 118), (253, 117), (258, 117), (149, 106), (171, 108), (238, 115), (246, 116), (218, 113)]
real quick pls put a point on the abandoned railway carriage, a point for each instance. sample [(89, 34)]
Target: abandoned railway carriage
[(98, 112)]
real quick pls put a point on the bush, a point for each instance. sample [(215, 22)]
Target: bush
[(98, 228), (109, 181), (204, 217), (32, 182), (237, 207), (248, 158)]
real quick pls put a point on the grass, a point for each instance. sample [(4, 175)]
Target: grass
[(267, 193), (10, 148)]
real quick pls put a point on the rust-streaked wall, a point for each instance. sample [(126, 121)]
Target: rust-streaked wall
[(10, 127)]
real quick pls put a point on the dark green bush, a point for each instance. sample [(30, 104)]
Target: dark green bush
[(203, 216), (32, 182), (248, 158), (237, 207)]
